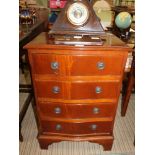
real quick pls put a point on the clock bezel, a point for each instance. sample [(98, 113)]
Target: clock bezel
[(71, 20)]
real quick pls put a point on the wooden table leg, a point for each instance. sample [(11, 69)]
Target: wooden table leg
[(20, 134), (22, 114)]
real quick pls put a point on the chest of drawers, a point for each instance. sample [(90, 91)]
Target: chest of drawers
[(76, 90)]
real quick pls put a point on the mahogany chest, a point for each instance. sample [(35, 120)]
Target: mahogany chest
[(76, 89)]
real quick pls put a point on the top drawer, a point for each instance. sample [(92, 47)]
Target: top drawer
[(77, 65), (48, 64)]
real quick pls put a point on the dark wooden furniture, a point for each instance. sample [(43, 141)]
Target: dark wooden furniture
[(77, 24), (24, 89), (129, 77), (27, 33), (76, 89), (128, 85), (91, 27)]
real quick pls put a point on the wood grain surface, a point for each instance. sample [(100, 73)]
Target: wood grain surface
[(85, 78)]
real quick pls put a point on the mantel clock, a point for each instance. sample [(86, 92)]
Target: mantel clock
[(77, 24)]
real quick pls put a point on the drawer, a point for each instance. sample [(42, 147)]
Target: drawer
[(52, 110), (106, 64), (77, 90), (50, 89), (76, 111), (94, 90), (76, 128), (49, 64)]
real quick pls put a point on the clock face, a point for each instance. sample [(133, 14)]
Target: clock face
[(77, 13)]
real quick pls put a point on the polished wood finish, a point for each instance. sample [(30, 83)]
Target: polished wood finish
[(76, 90), (64, 30), (45, 140), (88, 63), (86, 110), (77, 99), (78, 128), (63, 26)]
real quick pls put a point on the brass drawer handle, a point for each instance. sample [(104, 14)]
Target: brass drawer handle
[(96, 110), (98, 90), (54, 65), (57, 110), (100, 65), (93, 126), (55, 89), (58, 127)]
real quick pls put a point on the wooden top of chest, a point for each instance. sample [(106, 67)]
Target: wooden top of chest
[(111, 43)]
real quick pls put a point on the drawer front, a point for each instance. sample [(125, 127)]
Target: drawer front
[(94, 90), (50, 89), (48, 64), (77, 111), (91, 111), (109, 64), (77, 90), (52, 110), (77, 128), (106, 64)]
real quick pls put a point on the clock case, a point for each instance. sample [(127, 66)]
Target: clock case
[(64, 32)]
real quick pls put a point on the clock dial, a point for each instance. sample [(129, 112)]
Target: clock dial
[(77, 13)]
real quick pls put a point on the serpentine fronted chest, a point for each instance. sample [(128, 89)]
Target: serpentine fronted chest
[(76, 89)]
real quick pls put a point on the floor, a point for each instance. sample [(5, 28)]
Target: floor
[(124, 131)]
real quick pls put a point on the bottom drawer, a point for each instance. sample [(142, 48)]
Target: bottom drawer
[(77, 128)]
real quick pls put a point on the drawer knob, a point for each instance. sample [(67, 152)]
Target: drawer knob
[(55, 89), (93, 126), (98, 90), (100, 65), (57, 110), (96, 110), (58, 127), (54, 65)]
